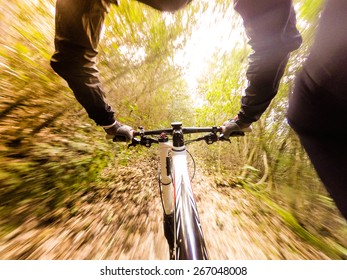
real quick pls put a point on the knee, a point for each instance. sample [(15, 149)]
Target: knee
[(57, 67), (299, 119), (293, 118), (61, 65), (71, 68), (305, 106)]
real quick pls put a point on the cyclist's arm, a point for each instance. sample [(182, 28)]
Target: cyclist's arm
[(270, 26)]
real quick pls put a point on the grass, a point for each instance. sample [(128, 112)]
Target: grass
[(329, 247)]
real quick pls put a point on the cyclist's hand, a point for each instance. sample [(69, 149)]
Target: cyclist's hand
[(234, 127), (119, 132)]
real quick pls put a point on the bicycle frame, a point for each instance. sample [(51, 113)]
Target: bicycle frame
[(177, 195)]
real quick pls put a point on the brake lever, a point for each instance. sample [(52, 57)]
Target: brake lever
[(210, 138), (134, 142), (147, 142), (144, 141)]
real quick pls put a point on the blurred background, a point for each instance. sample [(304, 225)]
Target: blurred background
[(67, 193)]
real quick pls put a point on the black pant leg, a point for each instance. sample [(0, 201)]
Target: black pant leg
[(318, 105), (311, 114)]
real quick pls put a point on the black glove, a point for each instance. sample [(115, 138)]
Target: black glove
[(119, 132), (234, 127)]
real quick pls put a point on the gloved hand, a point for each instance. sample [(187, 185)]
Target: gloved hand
[(119, 132), (234, 127)]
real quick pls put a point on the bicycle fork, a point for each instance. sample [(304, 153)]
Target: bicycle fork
[(167, 193)]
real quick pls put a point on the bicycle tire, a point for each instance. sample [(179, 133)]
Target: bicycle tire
[(189, 238)]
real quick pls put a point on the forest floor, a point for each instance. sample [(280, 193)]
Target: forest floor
[(122, 219)]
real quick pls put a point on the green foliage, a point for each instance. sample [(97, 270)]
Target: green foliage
[(271, 157), (48, 153), (51, 154), (332, 249), (221, 88), (137, 62)]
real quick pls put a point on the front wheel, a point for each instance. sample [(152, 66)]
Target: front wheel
[(189, 239)]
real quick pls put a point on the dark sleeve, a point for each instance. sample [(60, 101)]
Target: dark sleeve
[(271, 28), (77, 34)]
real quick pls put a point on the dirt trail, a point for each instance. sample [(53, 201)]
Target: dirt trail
[(123, 220)]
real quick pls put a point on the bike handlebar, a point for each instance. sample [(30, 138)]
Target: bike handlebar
[(185, 130), (209, 138)]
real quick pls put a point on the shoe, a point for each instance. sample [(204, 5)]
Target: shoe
[(119, 132)]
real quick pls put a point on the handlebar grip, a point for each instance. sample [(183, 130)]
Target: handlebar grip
[(237, 133), (120, 138), (232, 134)]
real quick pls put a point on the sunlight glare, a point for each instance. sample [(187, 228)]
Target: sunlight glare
[(217, 32)]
